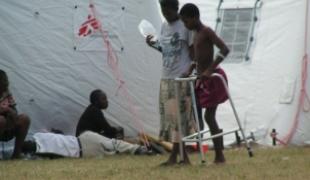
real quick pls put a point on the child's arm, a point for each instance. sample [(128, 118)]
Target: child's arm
[(153, 44), (7, 103), (12, 113), (11, 117)]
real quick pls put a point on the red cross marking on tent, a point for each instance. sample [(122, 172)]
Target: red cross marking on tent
[(89, 26)]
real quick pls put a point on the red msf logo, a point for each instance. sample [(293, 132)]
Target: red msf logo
[(89, 26)]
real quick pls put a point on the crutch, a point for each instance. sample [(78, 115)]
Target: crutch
[(236, 116), (191, 81), (193, 137)]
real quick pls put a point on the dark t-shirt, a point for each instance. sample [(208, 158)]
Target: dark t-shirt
[(93, 120)]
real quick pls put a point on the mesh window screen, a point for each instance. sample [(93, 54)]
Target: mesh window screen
[(235, 28)]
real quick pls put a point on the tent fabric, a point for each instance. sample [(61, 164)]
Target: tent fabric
[(266, 89), (52, 70)]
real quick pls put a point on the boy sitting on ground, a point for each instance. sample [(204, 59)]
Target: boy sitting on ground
[(12, 124), (94, 120)]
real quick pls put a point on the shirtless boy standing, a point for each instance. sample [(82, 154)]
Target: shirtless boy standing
[(210, 90)]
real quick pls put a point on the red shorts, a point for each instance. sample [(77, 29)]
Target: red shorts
[(211, 92)]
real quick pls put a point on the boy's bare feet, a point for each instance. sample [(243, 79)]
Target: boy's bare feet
[(168, 163), (220, 160), (184, 163)]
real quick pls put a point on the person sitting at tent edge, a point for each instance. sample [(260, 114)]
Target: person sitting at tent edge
[(93, 118), (12, 124), (209, 90), (88, 144)]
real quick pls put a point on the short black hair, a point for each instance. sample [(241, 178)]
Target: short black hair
[(171, 4), (95, 95), (3, 76), (190, 10), (4, 82)]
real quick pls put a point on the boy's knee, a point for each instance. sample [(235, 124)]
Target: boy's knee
[(23, 120)]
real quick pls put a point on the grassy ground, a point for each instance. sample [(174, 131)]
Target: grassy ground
[(267, 163)]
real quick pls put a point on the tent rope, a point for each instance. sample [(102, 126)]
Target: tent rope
[(303, 91), (113, 63)]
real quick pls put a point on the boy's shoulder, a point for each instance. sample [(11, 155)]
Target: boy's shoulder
[(178, 24), (176, 27), (208, 32), (207, 29)]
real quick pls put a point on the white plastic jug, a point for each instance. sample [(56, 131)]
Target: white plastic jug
[(146, 28)]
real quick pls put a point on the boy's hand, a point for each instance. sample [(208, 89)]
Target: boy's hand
[(185, 75), (4, 109), (149, 40), (206, 74)]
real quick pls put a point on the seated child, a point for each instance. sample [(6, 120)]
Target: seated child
[(93, 118), (12, 124)]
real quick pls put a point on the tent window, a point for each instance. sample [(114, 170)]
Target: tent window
[(235, 28)]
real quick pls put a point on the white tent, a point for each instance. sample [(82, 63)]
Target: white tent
[(267, 89), (52, 70)]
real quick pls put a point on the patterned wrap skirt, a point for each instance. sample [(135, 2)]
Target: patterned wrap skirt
[(169, 130)]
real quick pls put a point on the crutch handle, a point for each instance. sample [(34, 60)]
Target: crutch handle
[(190, 78), (195, 77)]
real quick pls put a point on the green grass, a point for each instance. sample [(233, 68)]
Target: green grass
[(267, 163)]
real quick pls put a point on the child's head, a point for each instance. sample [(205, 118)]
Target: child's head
[(190, 15), (169, 8), (4, 82), (99, 99)]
